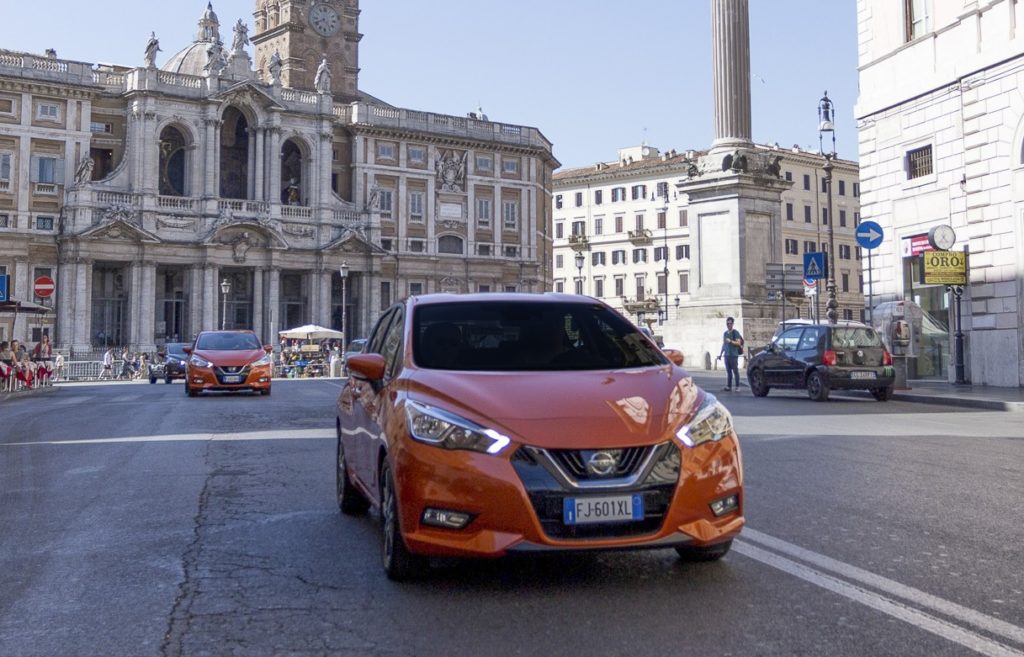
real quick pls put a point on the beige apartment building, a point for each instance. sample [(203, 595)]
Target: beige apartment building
[(641, 244), (218, 189)]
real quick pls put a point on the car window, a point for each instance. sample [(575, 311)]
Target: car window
[(391, 348), (855, 338), (809, 339), (376, 339), (176, 349), (790, 339), (228, 342), (527, 335)]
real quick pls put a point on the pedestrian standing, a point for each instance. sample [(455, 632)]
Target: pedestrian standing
[(108, 364), (732, 347)]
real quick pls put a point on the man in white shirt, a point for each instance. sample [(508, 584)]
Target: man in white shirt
[(108, 365)]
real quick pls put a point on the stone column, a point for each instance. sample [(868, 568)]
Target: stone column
[(210, 290), (147, 309), (260, 159), (135, 305), (274, 184), (81, 312), (65, 303), (730, 43), (322, 315), (257, 304), (20, 287), (273, 303), (209, 182), (195, 302)]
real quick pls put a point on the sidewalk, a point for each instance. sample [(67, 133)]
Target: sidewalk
[(922, 392)]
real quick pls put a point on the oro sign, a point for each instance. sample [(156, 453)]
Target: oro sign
[(944, 268), (43, 287)]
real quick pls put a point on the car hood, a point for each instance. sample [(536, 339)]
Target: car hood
[(231, 358), (621, 408)]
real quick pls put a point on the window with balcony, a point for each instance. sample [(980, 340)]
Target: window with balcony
[(639, 255), (639, 286), (579, 228), (639, 222)]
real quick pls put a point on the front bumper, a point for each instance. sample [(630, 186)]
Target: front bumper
[(517, 505), (218, 378)]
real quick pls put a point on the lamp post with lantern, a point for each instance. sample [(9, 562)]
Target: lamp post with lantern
[(343, 272), (826, 125), (225, 289), (580, 259)]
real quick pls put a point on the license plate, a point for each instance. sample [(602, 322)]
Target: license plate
[(232, 379), (862, 375), (588, 510)]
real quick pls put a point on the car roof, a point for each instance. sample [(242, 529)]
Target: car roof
[(494, 297)]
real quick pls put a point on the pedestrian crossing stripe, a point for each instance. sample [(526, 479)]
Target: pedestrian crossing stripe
[(812, 269)]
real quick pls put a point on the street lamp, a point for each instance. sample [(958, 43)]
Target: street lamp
[(580, 259), (343, 271), (826, 124), (225, 288)]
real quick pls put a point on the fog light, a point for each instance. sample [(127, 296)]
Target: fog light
[(197, 380), (725, 505), (446, 518)]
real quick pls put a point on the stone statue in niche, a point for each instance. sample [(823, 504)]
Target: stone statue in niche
[(275, 68), (83, 173), (451, 171)]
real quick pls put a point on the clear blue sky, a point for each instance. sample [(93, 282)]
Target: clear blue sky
[(592, 75)]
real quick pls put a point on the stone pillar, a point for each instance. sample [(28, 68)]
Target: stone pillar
[(65, 303), (261, 157), (274, 184), (730, 43), (324, 166), (211, 314), (257, 304), (195, 302), (81, 311), (135, 305), (147, 309), (322, 314), (209, 172), (20, 286), (273, 303)]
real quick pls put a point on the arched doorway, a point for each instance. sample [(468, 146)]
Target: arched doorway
[(234, 155), (173, 162), (291, 174)]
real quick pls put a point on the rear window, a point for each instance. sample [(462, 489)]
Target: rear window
[(855, 338), (228, 342), (528, 336)]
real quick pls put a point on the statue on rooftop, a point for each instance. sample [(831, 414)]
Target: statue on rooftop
[(152, 48)]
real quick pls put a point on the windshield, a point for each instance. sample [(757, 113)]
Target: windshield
[(176, 349), (855, 338), (228, 342), (355, 345), (528, 336)]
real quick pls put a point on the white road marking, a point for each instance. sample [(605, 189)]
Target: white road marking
[(996, 424), (916, 596), (919, 619), (289, 434)]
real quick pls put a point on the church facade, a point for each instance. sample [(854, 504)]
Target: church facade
[(218, 189)]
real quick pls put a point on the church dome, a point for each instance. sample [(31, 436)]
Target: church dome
[(190, 61)]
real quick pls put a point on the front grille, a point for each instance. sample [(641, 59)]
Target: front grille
[(234, 370), (574, 461)]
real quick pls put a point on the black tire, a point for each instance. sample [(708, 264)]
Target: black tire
[(757, 385), (705, 553), (817, 389), (266, 391), (350, 500), (189, 391), (399, 564), (168, 379), (152, 380), (882, 394)]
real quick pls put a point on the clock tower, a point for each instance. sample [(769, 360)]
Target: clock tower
[(303, 32)]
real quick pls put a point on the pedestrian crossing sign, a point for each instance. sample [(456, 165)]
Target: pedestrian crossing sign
[(814, 265)]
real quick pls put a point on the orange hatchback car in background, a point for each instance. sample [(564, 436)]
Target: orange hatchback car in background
[(487, 424), (228, 360)]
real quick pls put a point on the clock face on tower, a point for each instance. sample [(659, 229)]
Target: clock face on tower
[(325, 20)]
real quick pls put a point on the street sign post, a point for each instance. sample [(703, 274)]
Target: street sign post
[(869, 236), (43, 287)]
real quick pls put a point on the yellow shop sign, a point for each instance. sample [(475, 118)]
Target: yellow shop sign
[(944, 268)]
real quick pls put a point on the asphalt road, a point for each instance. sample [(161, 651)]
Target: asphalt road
[(136, 522)]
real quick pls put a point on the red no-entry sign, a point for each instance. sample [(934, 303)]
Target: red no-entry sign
[(43, 287)]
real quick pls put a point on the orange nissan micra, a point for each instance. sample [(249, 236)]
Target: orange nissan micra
[(228, 360), (488, 424)]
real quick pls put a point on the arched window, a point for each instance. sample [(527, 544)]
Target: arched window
[(173, 162), (449, 244)]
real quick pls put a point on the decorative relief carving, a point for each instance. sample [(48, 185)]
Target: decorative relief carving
[(297, 230), (451, 171), (120, 212), (240, 243), (177, 224)]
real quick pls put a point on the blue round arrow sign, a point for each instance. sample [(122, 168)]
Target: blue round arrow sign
[(869, 234)]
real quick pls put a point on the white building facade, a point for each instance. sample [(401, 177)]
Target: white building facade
[(641, 242), (141, 190), (941, 122)]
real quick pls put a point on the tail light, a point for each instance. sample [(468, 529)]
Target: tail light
[(886, 358), (829, 358)]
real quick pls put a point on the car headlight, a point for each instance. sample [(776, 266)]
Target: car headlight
[(266, 360), (437, 427), (200, 362), (711, 422)]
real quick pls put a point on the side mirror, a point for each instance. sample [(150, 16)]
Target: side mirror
[(675, 356), (366, 366), (187, 350), (268, 348)]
